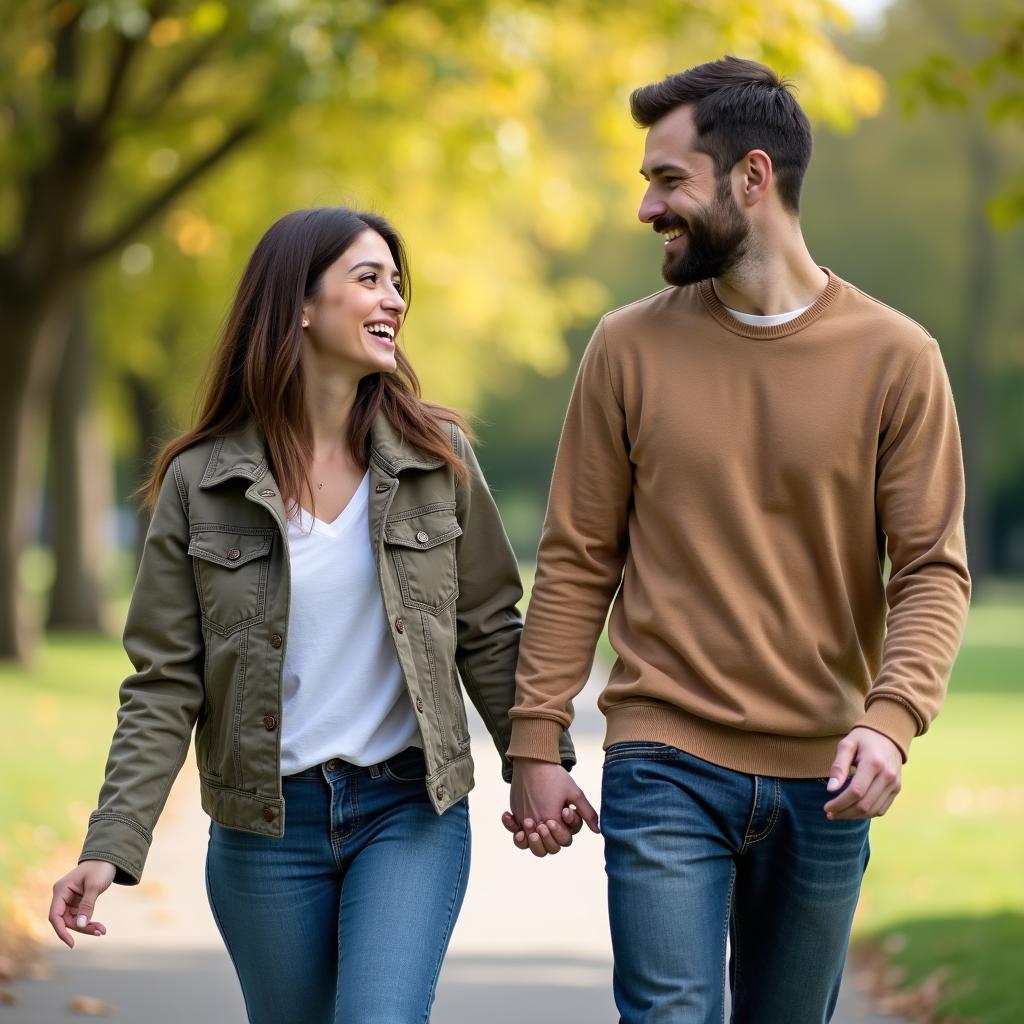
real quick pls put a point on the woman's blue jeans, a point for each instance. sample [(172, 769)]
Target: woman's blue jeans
[(347, 917), (696, 853)]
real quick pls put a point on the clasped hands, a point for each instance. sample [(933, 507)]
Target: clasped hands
[(548, 808)]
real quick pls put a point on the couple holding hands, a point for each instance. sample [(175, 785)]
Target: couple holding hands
[(326, 574)]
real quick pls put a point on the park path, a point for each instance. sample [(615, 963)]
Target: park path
[(162, 961)]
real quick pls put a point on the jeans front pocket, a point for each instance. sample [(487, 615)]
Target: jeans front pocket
[(407, 767)]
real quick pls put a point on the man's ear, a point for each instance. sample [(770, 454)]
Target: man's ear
[(757, 174)]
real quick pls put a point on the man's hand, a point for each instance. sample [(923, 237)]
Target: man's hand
[(876, 782), (548, 808)]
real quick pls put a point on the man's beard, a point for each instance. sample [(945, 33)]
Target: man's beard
[(715, 240)]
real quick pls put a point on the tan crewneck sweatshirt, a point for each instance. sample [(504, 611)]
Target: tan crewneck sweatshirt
[(736, 489)]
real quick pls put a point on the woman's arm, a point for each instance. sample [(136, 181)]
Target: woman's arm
[(488, 623), (161, 700)]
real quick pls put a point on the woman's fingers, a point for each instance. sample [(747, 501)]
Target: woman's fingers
[(58, 910)]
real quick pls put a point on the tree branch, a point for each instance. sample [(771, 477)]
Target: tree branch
[(151, 105), (152, 207), (126, 53)]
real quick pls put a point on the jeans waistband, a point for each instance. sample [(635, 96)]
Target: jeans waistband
[(338, 768)]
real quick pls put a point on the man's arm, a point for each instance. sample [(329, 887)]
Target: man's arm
[(579, 568), (579, 563), (920, 500)]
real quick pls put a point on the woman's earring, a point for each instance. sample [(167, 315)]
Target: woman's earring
[(305, 322)]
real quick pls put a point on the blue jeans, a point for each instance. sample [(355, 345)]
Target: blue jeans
[(696, 853), (346, 918)]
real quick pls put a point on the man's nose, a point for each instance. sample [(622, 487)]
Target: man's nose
[(651, 208)]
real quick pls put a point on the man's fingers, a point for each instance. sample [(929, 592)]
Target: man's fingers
[(573, 822), (509, 821), (562, 835), (520, 840), (840, 770), (850, 796), (587, 812)]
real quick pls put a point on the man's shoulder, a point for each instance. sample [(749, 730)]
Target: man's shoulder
[(660, 309), (882, 322)]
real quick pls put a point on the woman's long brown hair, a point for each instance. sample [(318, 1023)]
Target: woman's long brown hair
[(256, 371)]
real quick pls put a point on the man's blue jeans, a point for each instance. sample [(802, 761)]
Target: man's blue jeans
[(347, 917), (696, 853)]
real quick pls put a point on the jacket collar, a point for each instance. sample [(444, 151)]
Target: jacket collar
[(242, 454)]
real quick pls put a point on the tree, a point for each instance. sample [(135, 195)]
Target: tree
[(977, 77), (114, 112)]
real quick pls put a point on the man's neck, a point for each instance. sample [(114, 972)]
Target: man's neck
[(776, 278)]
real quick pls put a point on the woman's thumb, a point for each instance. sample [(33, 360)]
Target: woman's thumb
[(87, 904)]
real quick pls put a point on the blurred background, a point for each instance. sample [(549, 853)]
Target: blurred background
[(145, 147)]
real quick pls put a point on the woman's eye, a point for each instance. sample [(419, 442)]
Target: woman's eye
[(369, 278)]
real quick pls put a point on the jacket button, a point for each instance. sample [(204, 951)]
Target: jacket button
[(276, 640), (267, 493), (439, 792), (400, 625), (234, 553), (381, 488), (268, 813), (423, 536), (419, 705), (269, 723)]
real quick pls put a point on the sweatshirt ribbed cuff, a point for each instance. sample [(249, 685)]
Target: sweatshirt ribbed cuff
[(537, 738), (889, 717)]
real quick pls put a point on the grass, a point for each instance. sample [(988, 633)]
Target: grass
[(943, 892), (943, 896), (63, 709)]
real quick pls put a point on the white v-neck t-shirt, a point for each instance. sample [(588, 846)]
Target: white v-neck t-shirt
[(344, 693)]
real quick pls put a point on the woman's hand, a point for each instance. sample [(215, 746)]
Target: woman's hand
[(74, 900)]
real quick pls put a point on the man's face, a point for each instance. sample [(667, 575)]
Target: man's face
[(704, 229)]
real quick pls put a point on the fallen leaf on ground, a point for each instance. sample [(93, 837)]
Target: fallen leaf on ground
[(87, 1006)]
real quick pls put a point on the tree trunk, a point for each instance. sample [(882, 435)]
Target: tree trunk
[(979, 310), (149, 425), (37, 331), (81, 485)]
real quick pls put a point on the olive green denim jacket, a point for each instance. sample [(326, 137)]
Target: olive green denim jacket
[(207, 632)]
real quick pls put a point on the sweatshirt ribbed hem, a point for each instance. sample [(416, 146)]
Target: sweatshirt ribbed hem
[(756, 753)]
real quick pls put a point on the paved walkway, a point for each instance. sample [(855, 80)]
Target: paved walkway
[(162, 961)]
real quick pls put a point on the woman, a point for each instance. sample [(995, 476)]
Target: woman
[(323, 553)]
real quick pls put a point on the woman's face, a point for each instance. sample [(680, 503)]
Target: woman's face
[(355, 317)]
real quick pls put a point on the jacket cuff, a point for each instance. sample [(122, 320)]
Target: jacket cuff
[(538, 738), (889, 717), (118, 840)]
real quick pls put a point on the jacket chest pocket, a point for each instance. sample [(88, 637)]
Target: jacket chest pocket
[(231, 565), (422, 548)]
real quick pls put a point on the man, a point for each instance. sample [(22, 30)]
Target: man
[(742, 450)]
